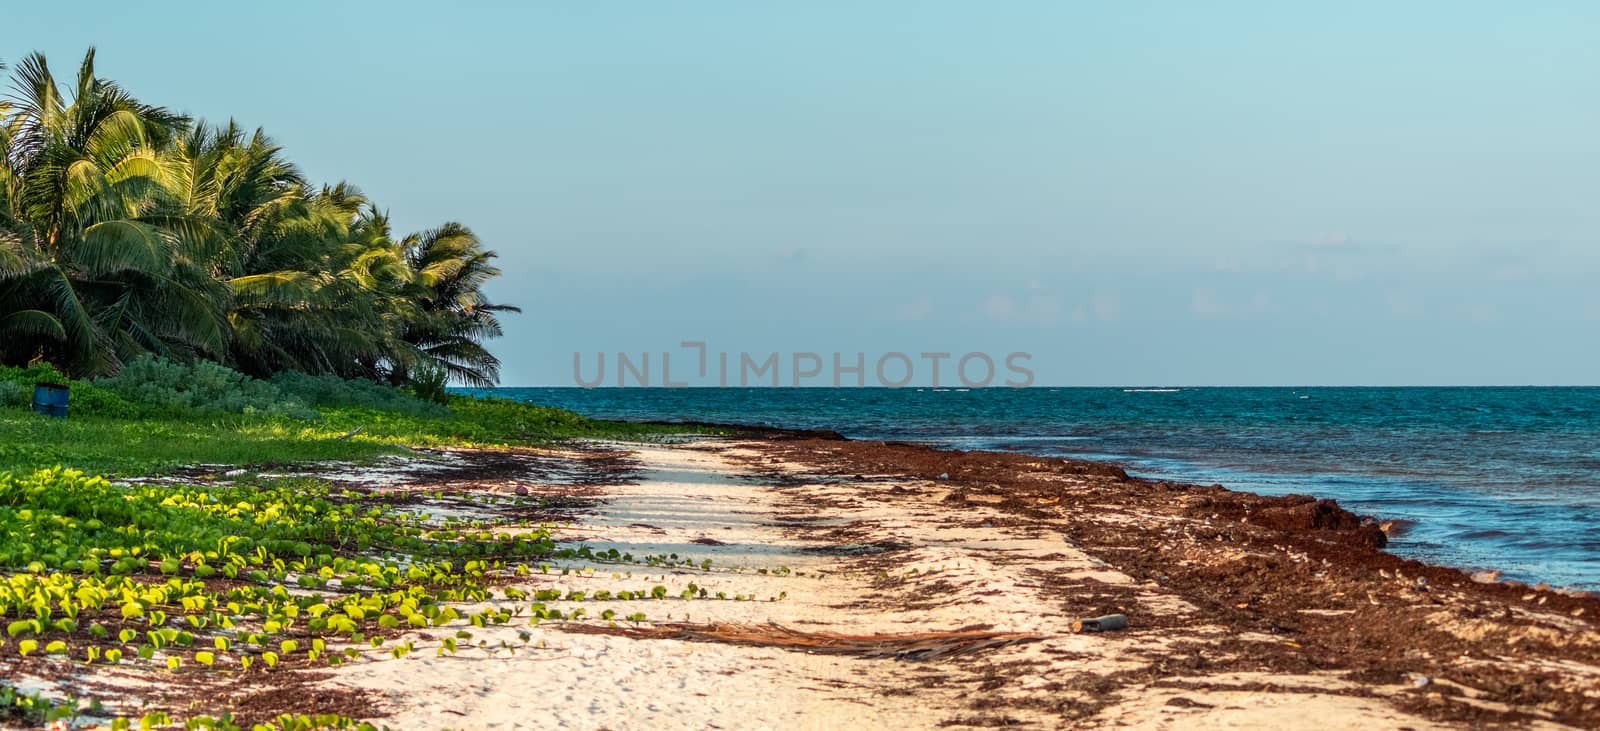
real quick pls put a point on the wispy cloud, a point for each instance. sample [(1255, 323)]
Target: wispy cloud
[(1105, 307), (921, 309), (1403, 304), (1205, 304), (1484, 312), (999, 307)]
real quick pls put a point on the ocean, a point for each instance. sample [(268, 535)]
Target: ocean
[(1501, 478)]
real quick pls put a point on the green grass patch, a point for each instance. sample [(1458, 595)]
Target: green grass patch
[(158, 414), (490, 422), (143, 446), (125, 447)]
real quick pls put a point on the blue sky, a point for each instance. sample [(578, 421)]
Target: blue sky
[(1135, 193)]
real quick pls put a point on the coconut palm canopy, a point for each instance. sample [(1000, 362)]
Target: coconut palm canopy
[(126, 228)]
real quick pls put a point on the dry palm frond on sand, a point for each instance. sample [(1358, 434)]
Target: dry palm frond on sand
[(908, 646)]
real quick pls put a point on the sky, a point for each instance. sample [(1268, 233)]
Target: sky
[(1366, 193)]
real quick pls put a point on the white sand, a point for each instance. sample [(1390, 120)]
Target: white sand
[(950, 574), (564, 680)]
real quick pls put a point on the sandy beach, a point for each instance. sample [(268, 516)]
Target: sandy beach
[(1242, 612), (807, 366)]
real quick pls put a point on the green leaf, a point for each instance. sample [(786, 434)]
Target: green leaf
[(121, 245), (32, 322)]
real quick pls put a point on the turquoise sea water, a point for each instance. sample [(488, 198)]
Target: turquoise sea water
[(1504, 478)]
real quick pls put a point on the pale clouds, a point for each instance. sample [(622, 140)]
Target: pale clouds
[(1403, 304), (999, 307), (1036, 306), (921, 309), (1105, 307), (1205, 304), (1329, 239), (1039, 305), (1484, 312), (1102, 307)]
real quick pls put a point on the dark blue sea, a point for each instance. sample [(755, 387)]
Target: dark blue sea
[(1503, 478)]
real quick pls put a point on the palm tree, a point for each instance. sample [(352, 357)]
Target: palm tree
[(127, 229), (274, 234), (16, 259), (454, 315), (312, 295), (103, 255)]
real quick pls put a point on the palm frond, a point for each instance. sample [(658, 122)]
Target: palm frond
[(32, 322), (120, 245)]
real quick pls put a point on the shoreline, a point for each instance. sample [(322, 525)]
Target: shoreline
[(706, 557), (1390, 527), (1284, 536), (1494, 479), (1243, 610)]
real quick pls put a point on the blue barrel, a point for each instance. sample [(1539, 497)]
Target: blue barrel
[(51, 400)]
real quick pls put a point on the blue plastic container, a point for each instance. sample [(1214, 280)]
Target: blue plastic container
[(51, 400)]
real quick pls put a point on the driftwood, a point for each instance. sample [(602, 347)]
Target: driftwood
[(910, 646)]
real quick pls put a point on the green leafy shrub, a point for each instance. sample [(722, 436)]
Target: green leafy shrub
[(427, 382), (92, 400), (63, 520), (38, 373), (87, 399), (507, 418), (200, 389), (13, 394), (328, 391)]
